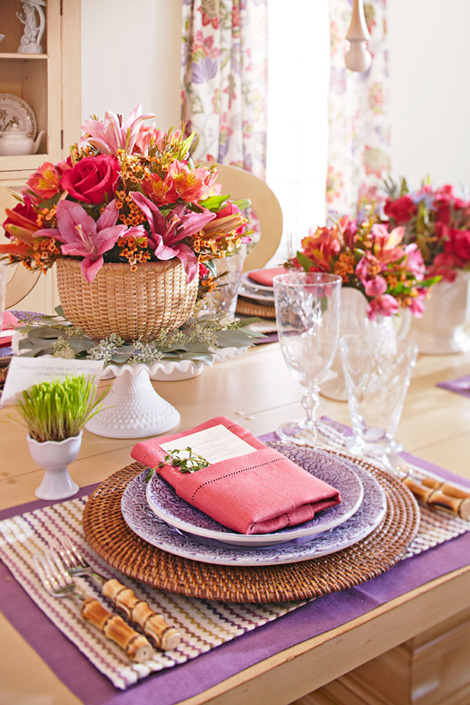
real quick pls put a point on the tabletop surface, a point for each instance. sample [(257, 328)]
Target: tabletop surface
[(257, 391)]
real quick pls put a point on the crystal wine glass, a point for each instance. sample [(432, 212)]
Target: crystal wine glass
[(307, 316), (377, 377)]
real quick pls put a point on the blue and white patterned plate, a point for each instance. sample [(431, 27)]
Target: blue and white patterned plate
[(166, 504), (140, 519)]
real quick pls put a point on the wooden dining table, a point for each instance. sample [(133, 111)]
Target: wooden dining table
[(411, 649)]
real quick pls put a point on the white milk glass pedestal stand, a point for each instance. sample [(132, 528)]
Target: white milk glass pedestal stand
[(132, 408)]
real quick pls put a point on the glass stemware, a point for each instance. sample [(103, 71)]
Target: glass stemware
[(307, 315), (377, 378)]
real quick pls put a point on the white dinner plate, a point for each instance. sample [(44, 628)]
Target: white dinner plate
[(143, 522), (166, 504), (16, 109), (264, 297), (251, 284)]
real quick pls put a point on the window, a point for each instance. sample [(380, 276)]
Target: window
[(297, 141)]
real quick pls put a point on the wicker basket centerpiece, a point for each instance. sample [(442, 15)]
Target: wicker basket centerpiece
[(131, 304), (133, 224)]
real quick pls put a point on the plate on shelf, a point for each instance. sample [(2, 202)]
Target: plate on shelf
[(143, 522), (166, 505), (14, 110)]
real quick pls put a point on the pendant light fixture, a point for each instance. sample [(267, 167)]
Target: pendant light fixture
[(358, 57)]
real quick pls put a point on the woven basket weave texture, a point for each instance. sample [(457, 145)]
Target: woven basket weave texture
[(132, 304)]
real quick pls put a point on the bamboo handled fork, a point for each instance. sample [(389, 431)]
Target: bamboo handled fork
[(58, 583), (154, 625)]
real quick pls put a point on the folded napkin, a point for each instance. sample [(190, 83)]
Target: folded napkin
[(9, 321), (255, 493), (265, 276)]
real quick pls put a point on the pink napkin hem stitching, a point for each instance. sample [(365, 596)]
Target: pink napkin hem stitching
[(235, 472)]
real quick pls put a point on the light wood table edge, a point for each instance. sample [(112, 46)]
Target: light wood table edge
[(294, 672)]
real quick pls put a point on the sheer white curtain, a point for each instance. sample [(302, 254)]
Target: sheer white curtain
[(298, 113)]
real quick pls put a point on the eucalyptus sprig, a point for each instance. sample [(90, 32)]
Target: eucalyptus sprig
[(196, 340), (54, 411)]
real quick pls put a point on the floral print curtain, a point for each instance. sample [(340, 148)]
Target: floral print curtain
[(224, 80), (358, 114)]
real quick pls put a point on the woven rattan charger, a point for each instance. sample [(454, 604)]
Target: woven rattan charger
[(111, 538), (248, 308)]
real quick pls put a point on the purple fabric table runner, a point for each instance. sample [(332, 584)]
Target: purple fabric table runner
[(193, 677), (461, 385)]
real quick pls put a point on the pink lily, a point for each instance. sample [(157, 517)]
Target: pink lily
[(112, 133), (167, 233), (83, 237)]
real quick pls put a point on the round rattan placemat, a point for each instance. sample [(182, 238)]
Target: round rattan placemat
[(110, 537), (248, 308)]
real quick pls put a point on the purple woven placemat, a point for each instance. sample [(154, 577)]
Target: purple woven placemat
[(193, 677)]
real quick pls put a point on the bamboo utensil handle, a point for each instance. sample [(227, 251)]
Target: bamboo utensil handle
[(437, 498), (139, 611), (136, 646), (446, 487)]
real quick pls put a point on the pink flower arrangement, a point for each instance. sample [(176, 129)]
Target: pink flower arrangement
[(371, 258), (437, 221), (127, 192)]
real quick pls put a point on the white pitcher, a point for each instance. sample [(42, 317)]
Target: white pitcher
[(443, 327), (353, 319)]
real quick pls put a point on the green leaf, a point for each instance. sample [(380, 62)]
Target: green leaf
[(214, 203), (304, 261)]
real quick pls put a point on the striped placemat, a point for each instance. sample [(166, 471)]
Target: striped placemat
[(203, 624)]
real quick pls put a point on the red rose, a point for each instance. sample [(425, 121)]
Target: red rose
[(401, 210), (445, 265), (462, 244), (92, 179)]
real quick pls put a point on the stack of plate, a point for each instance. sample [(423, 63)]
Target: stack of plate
[(154, 512), (255, 299)]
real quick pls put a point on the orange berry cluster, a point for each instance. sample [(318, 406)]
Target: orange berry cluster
[(47, 217), (133, 250)]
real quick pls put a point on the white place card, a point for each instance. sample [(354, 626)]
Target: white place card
[(24, 372), (215, 444)]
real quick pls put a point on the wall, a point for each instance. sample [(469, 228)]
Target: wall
[(429, 61), (131, 55)]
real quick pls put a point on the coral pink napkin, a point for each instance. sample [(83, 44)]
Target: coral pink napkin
[(9, 321), (256, 493), (265, 276)]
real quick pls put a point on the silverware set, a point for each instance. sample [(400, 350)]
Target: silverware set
[(58, 566)]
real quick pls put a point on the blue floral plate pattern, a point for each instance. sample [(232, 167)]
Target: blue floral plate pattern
[(166, 504), (141, 519)]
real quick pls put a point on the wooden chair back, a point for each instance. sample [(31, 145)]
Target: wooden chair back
[(242, 184)]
